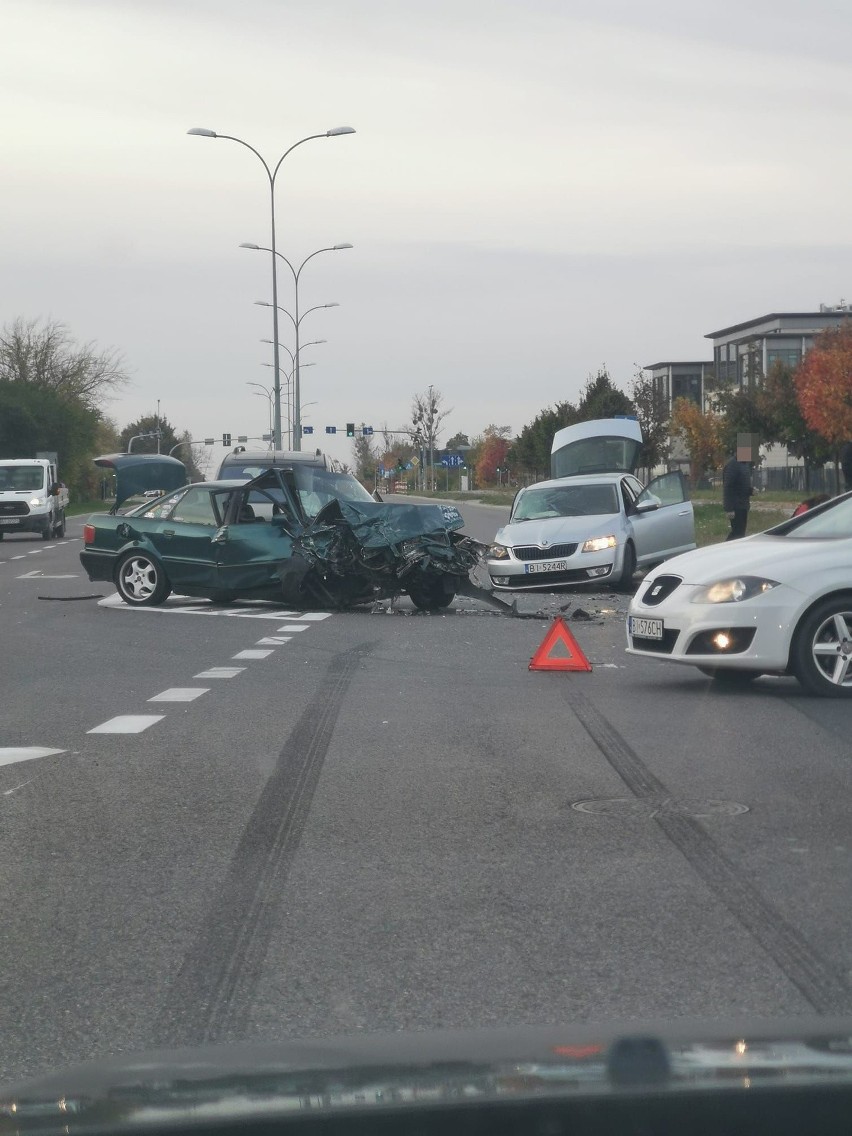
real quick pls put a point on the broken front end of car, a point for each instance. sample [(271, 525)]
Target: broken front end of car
[(352, 553)]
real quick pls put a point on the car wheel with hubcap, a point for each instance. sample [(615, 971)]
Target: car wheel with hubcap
[(428, 594), (624, 583), (141, 580), (821, 656)]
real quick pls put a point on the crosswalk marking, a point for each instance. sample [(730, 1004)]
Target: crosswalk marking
[(10, 755), (220, 672), (273, 640), (252, 655), (180, 694), (127, 724)]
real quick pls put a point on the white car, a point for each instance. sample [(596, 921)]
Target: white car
[(594, 520), (779, 602)]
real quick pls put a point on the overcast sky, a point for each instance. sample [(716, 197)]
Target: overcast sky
[(535, 190)]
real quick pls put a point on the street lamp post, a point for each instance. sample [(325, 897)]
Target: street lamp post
[(271, 175), (297, 272), (268, 395), (294, 356)]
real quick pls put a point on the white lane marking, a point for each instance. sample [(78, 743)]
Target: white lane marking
[(180, 694), (41, 576), (203, 607), (273, 640), (34, 552), (314, 616), (15, 788), (21, 557), (252, 655), (220, 672), (127, 724), (294, 627), (9, 755)]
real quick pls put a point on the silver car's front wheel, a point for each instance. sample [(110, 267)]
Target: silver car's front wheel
[(141, 580), (822, 650)]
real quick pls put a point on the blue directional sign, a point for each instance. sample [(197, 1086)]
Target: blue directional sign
[(331, 429), (307, 429), (367, 431)]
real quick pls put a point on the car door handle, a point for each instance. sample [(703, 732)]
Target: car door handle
[(684, 513)]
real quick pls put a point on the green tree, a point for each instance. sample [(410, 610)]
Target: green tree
[(779, 402), (530, 451), (601, 398), (649, 405), (457, 441), (703, 434)]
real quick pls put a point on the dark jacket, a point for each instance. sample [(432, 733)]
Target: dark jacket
[(736, 485)]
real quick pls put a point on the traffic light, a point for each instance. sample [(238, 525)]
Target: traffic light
[(350, 429), (226, 440)]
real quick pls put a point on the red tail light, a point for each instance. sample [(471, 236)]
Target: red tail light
[(88, 534)]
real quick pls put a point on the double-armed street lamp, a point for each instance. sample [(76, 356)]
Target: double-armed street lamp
[(297, 272), (271, 174)]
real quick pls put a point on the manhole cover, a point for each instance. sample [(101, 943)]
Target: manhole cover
[(649, 807)]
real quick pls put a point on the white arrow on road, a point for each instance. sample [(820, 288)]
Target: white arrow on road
[(42, 576)]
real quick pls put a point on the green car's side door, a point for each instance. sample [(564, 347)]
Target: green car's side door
[(248, 554), (183, 540)]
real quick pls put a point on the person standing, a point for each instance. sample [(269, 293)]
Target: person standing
[(737, 490)]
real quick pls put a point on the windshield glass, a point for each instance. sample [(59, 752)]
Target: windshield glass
[(21, 477), (566, 501), (316, 487), (832, 522)]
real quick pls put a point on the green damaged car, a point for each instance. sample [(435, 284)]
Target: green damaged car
[(307, 536)]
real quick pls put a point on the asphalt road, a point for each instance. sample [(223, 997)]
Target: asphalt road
[(384, 820)]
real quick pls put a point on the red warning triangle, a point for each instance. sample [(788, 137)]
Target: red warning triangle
[(559, 651)]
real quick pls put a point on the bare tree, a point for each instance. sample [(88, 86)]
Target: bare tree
[(427, 414), (46, 355)]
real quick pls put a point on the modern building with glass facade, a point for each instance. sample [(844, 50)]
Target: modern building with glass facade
[(680, 380), (745, 351)]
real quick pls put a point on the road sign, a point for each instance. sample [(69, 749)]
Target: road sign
[(367, 431), (331, 429), (559, 651), (307, 429)]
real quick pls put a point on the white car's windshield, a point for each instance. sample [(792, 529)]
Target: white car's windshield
[(832, 522), (566, 501)]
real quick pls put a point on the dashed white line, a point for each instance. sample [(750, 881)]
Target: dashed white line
[(180, 694), (314, 616), (294, 627), (19, 557), (127, 724), (273, 640), (220, 672), (252, 655), (10, 755)]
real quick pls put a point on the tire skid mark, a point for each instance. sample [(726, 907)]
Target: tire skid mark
[(211, 996), (815, 977)]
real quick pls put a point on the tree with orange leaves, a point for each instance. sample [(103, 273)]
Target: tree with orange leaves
[(824, 384), (703, 435)]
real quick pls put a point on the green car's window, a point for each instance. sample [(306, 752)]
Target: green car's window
[(195, 508), (162, 509)]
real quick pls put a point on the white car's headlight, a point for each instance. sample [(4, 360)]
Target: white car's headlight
[(733, 590), (36, 500), (600, 543), (498, 552)]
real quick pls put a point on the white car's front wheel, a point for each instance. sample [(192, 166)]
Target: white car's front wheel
[(821, 657)]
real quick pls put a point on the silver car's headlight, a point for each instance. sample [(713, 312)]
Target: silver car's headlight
[(600, 543), (733, 590), (498, 552)]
